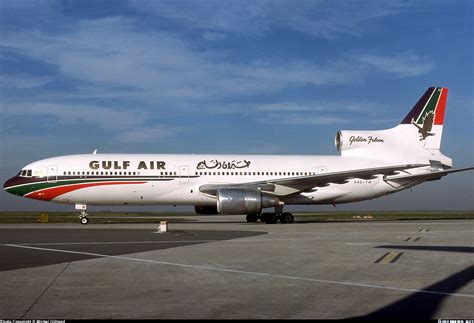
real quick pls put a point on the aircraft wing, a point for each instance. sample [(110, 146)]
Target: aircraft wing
[(433, 175), (292, 185)]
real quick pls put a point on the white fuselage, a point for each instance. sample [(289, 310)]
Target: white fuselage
[(149, 179)]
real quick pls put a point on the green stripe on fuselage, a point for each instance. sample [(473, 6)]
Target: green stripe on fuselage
[(29, 188), (430, 107)]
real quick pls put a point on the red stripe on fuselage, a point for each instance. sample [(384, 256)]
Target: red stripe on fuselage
[(439, 113), (48, 194)]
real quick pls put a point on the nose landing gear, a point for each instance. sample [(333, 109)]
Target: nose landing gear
[(83, 217)]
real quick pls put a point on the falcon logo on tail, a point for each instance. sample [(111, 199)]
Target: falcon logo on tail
[(424, 130)]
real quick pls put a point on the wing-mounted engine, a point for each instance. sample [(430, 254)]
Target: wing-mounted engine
[(243, 201)]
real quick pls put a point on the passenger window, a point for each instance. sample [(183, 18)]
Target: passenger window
[(64, 173)]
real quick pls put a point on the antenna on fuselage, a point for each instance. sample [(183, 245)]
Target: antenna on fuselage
[(94, 152)]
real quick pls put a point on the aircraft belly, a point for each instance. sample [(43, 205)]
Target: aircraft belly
[(146, 193)]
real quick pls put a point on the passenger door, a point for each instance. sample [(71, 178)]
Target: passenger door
[(52, 175)]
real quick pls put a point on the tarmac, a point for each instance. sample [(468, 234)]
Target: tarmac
[(224, 268)]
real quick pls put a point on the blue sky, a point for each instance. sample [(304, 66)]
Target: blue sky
[(266, 77)]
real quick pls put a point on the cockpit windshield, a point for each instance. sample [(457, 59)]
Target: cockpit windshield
[(25, 173)]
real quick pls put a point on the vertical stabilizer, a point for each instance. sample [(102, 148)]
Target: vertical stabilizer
[(416, 139), (428, 116)]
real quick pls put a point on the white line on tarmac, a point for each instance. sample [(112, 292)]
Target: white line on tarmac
[(106, 243), (245, 272)]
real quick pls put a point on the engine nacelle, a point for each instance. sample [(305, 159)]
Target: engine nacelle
[(353, 139), (243, 201), (206, 209)]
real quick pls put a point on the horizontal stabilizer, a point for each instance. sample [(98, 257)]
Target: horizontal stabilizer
[(425, 176)]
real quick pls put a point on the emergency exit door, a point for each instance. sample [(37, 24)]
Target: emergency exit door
[(183, 174)]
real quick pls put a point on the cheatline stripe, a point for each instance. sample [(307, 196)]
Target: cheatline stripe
[(242, 272), (85, 185), (84, 180), (51, 193)]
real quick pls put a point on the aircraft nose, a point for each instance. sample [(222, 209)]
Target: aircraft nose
[(9, 183)]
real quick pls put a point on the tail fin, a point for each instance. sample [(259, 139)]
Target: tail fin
[(428, 116), (416, 139)]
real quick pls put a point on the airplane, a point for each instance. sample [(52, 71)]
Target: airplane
[(371, 164)]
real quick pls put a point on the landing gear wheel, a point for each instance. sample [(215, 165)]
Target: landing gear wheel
[(268, 218), (286, 218), (83, 217), (252, 218)]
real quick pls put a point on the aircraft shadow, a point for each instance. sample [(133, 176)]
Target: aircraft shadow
[(431, 248), (422, 305)]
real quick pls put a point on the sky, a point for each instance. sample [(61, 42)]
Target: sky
[(245, 77)]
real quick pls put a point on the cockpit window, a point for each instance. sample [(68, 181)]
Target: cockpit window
[(25, 173)]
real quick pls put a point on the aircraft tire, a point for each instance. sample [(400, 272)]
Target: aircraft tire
[(270, 218), (84, 220), (287, 218), (252, 218)]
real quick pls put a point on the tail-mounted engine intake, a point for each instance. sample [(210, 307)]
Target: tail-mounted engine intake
[(243, 201), (350, 139)]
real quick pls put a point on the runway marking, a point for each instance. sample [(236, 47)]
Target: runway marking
[(108, 243), (414, 239), (389, 258), (417, 238), (177, 241), (408, 239), (251, 273)]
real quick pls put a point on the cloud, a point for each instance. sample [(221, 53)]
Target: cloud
[(156, 65), (126, 125), (111, 57), (22, 81), (148, 134), (399, 65), (254, 18)]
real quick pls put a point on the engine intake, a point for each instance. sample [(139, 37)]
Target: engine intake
[(348, 139), (243, 201)]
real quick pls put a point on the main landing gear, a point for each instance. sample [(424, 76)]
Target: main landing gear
[(271, 218)]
